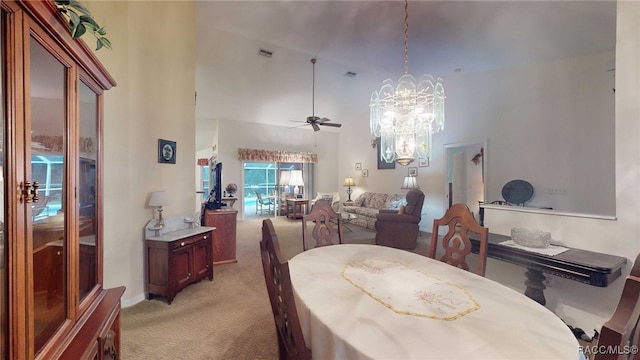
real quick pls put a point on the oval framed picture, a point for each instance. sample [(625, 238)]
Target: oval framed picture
[(166, 151)]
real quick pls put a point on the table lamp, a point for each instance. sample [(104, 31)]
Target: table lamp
[(285, 177), (410, 182), (348, 182), (296, 180), (159, 199)]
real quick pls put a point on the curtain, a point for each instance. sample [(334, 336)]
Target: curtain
[(276, 156)]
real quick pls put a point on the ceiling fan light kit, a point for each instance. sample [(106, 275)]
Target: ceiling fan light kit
[(406, 117)]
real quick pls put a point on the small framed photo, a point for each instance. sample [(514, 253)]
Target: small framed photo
[(166, 151), (413, 171), (365, 172), (358, 166), (423, 162)]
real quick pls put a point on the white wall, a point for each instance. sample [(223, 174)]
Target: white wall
[(153, 62), (550, 124)]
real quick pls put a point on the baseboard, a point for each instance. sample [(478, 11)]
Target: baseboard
[(130, 302)]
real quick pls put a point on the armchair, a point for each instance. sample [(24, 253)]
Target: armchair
[(333, 197), (400, 228)]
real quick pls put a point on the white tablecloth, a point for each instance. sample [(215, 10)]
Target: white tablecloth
[(376, 302)]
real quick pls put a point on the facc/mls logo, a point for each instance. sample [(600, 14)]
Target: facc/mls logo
[(611, 349)]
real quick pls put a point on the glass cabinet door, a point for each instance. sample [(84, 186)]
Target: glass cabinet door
[(87, 189), (46, 128)]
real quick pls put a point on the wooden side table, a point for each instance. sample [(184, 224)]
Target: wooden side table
[(294, 208)]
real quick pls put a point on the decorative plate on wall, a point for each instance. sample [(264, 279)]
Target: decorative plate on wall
[(517, 192)]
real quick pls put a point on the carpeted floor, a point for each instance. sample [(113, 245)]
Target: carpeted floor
[(227, 318)]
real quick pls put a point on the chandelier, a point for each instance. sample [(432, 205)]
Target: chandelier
[(406, 117)]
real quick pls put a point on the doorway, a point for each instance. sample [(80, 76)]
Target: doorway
[(272, 181), (466, 175)]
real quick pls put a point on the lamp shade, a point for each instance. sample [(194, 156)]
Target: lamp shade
[(348, 181), (158, 198), (410, 182), (295, 178), (285, 176)]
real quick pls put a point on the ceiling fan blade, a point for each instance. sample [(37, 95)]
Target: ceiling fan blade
[(297, 126), (331, 124), (323, 120), (315, 126)]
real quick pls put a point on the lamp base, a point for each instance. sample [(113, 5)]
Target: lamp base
[(160, 223)]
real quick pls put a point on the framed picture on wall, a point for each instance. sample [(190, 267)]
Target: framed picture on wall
[(358, 166), (423, 162), (166, 151), (381, 163), (365, 172), (413, 171)]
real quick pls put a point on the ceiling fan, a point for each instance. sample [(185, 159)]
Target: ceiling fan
[(314, 120)]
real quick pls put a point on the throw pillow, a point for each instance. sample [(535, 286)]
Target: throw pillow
[(328, 197), (401, 210), (395, 204)]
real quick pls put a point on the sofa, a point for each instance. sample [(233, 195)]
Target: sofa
[(367, 206)]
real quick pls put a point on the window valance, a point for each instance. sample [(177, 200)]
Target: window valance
[(277, 156), (46, 143)]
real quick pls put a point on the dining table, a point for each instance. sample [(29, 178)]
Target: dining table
[(361, 301)]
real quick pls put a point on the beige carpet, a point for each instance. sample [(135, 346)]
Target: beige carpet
[(227, 318)]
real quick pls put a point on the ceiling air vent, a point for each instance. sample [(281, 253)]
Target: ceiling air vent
[(265, 53)]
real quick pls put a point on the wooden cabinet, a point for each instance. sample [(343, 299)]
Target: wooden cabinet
[(224, 238), (177, 259), (52, 302), (101, 331)]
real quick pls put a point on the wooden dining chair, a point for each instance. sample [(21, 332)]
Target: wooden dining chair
[(459, 219), (291, 343), (327, 225), (622, 328)]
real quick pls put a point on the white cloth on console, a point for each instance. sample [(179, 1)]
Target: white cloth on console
[(551, 250)]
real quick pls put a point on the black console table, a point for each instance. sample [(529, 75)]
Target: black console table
[(584, 266)]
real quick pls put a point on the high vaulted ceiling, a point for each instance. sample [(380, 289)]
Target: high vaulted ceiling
[(446, 39)]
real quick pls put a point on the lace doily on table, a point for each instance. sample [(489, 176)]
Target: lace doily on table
[(409, 291)]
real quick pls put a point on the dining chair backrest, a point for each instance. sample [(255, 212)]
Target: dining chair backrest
[(291, 343), (260, 199), (327, 225), (263, 205), (621, 331), (459, 220)]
